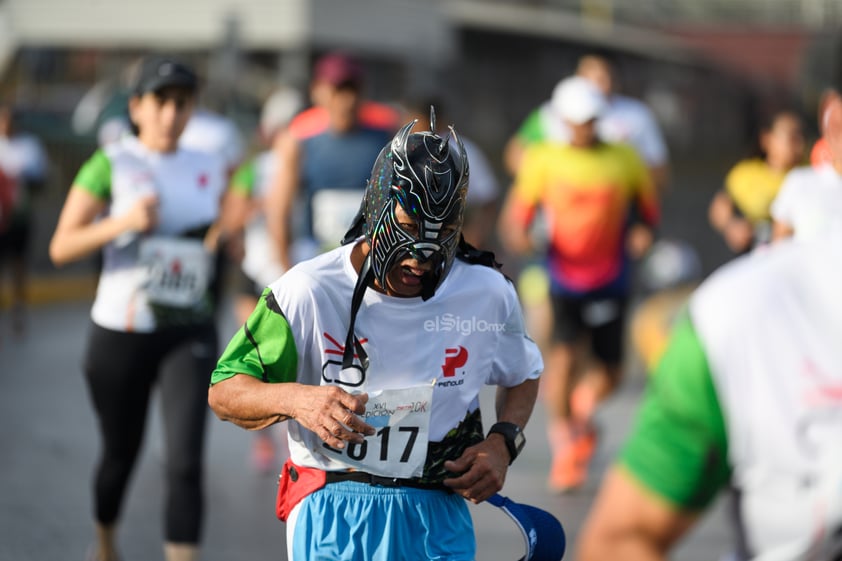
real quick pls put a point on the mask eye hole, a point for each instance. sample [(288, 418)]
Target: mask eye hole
[(406, 221), (448, 231), (410, 227)]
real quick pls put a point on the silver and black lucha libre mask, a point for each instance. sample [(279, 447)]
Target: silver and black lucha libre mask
[(427, 175)]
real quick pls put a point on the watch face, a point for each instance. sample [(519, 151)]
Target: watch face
[(515, 440), (520, 440)]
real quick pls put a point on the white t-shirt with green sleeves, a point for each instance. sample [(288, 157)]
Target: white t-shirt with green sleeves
[(468, 335), (161, 277), (750, 390)]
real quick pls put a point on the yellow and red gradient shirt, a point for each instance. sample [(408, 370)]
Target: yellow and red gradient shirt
[(587, 196)]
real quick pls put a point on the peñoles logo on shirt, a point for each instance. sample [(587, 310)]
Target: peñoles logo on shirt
[(454, 358)]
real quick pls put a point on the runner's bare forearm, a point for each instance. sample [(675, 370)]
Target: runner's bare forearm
[(515, 404)]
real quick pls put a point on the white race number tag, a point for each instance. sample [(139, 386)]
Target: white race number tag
[(333, 212), (178, 271), (399, 447)]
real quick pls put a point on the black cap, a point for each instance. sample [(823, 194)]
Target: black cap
[(157, 72)]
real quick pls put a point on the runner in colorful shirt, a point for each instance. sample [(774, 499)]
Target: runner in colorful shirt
[(586, 191), (153, 316), (376, 353), (741, 211), (624, 119)]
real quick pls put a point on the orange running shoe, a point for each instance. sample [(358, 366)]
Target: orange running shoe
[(570, 465), (584, 440), (566, 473)]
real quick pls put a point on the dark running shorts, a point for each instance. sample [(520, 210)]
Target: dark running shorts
[(603, 319)]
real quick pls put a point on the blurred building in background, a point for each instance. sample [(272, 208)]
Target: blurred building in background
[(703, 65)]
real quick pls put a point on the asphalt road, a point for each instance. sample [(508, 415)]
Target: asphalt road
[(49, 445)]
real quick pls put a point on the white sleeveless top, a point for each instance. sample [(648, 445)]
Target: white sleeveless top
[(164, 268)]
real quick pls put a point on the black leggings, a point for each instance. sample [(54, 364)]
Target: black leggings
[(121, 369)]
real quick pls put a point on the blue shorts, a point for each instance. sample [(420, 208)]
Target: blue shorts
[(351, 521)]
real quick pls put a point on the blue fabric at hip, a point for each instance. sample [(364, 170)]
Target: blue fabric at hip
[(350, 521)]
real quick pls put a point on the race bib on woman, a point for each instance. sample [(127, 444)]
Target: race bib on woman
[(399, 447), (178, 271)]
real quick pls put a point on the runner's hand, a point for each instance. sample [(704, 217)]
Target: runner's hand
[(331, 413), (483, 468), (143, 214), (639, 240), (739, 235)]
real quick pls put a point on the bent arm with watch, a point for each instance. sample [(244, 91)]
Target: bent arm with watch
[(513, 435), (514, 407), (484, 465)]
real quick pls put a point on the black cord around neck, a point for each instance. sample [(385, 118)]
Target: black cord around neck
[(352, 343)]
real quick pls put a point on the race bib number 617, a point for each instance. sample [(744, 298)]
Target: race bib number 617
[(398, 448)]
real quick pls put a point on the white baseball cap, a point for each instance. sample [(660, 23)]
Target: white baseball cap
[(279, 109), (577, 100)]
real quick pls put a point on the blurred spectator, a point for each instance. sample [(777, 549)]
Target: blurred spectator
[(24, 167), (328, 169), (810, 199), (587, 189), (258, 259), (483, 188), (741, 211), (624, 119)]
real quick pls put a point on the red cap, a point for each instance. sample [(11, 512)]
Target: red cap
[(338, 69)]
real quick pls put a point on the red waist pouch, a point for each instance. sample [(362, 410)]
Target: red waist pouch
[(294, 484)]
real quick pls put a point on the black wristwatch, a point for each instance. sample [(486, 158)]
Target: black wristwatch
[(515, 440)]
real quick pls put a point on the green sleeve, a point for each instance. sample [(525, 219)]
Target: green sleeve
[(532, 128), (95, 176), (678, 448), (242, 182), (264, 347)]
